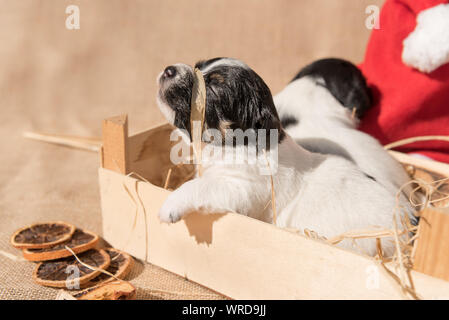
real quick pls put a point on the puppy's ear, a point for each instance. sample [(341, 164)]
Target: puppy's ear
[(266, 117), (237, 96), (262, 111)]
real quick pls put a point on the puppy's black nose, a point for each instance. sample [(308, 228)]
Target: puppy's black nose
[(170, 72)]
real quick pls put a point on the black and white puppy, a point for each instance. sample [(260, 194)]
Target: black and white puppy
[(324, 193), (320, 109)]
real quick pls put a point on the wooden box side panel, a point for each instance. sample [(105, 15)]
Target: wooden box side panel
[(241, 257), (123, 217), (432, 253), (432, 245), (114, 151), (231, 254)]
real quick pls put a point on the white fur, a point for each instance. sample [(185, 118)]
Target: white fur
[(326, 194), (427, 47), (323, 119), (168, 112), (227, 62)]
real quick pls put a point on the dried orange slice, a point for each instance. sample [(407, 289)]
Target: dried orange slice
[(433, 184), (68, 272), (42, 235), (121, 264), (81, 241), (114, 290)]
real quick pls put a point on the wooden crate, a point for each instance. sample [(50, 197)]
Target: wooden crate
[(237, 256)]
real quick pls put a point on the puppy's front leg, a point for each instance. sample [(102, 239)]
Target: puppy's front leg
[(204, 194)]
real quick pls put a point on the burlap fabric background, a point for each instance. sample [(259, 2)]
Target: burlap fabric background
[(66, 81)]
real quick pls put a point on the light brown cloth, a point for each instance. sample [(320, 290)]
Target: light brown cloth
[(66, 81)]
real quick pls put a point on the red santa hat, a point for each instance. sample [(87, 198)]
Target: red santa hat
[(406, 65)]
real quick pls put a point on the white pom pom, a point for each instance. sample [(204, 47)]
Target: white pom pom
[(427, 47)]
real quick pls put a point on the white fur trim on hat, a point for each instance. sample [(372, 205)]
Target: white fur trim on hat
[(427, 47)]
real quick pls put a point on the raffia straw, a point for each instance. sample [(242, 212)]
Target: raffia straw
[(429, 190), (185, 178), (160, 291), (121, 280), (414, 139), (403, 257), (167, 179), (356, 245), (380, 252), (89, 144), (402, 272), (312, 235), (354, 110), (362, 234), (137, 210), (407, 226), (135, 213), (197, 112), (404, 280), (92, 267), (167, 182), (415, 244), (435, 190), (405, 252), (273, 195), (266, 206), (407, 293)]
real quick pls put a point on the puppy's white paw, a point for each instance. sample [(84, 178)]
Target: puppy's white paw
[(427, 47), (173, 209)]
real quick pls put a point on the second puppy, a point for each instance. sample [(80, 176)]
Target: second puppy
[(320, 109)]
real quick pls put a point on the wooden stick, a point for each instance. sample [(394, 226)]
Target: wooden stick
[(84, 143), (115, 148)]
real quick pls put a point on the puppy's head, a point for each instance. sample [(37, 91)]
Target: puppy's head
[(236, 97), (343, 80)]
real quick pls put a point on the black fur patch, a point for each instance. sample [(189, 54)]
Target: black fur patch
[(178, 96), (234, 94), (288, 121), (238, 95), (370, 177), (343, 80)]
